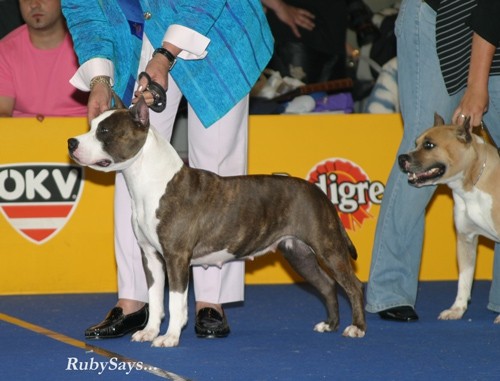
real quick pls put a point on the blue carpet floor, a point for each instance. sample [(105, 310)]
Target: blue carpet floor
[(41, 338)]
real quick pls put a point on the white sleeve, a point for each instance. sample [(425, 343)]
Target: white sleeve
[(193, 44), (90, 69)]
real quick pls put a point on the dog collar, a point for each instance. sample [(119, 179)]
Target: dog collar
[(481, 171)]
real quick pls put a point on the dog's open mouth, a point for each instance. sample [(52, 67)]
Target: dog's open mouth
[(103, 163), (427, 176)]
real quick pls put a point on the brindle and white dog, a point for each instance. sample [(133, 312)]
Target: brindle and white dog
[(470, 166), (184, 216)]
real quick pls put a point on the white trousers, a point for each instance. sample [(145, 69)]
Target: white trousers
[(221, 148)]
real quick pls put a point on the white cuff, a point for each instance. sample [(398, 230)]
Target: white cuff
[(90, 69), (192, 43)]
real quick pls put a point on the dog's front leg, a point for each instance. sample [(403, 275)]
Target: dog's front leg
[(466, 256), (178, 279), (155, 274)]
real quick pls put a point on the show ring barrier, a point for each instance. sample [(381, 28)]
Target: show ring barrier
[(56, 226)]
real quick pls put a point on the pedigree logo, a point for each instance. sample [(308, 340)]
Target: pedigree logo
[(37, 199), (349, 189)]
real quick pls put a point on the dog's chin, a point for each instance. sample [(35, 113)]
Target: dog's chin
[(100, 165), (430, 176)]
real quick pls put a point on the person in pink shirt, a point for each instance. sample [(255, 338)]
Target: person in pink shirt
[(37, 61)]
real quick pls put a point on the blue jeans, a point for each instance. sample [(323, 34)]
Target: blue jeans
[(397, 249)]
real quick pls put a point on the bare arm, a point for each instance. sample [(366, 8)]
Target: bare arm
[(474, 103), (292, 16), (6, 106), (157, 68)]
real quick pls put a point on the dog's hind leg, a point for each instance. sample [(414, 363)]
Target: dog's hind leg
[(337, 261), (178, 279), (466, 256), (304, 262)]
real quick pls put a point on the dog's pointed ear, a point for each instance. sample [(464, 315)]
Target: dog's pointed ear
[(466, 130), (438, 120), (117, 101), (140, 111)]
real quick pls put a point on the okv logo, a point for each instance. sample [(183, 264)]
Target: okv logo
[(38, 199)]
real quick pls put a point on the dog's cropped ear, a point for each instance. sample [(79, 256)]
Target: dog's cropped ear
[(117, 101), (140, 111), (465, 130), (438, 120)]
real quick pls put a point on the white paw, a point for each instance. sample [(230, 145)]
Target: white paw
[(167, 341), (497, 320), (322, 327), (353, 331), (145, 335), (454, 313)]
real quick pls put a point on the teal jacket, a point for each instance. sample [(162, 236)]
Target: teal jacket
[(241, 45)]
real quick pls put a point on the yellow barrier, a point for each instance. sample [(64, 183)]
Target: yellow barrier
[(56, 232), (78, 255)]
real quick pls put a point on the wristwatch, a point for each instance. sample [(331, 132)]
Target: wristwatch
[(169, 56)]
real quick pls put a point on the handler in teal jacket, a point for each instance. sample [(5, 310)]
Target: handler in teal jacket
[(212, 52)]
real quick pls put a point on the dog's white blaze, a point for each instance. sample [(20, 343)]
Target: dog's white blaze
[(89, 151), (95, 122)]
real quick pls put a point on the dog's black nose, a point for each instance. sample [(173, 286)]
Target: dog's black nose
[(72, 144), (403, 160)]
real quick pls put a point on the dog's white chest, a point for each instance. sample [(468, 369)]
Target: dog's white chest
[(145, 223), (473, 214)]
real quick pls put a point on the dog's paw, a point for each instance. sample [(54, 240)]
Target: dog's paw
[(454, 313), (323, 327), (497, 320), (353, 331), (166, 341), (145, 335)]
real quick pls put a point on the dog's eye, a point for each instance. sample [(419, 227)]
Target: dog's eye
[(429, 145), (103, 130)]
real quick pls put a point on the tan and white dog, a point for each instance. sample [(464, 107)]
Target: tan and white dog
[(470, 166), (184, 216)]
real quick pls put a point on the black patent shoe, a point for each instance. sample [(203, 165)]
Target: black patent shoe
[(210, 324), (402, 313), (116, 324)]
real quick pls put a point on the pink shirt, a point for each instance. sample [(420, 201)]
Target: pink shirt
[(39, 79)]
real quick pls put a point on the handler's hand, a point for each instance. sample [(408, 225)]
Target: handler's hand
[(157, 68), (99, 100), (474, 103)]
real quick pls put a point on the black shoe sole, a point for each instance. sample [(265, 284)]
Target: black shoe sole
[(401, 314)]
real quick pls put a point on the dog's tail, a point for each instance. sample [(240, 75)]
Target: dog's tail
[(350, 245)]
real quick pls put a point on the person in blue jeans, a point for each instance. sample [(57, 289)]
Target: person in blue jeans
[(455, 83)]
